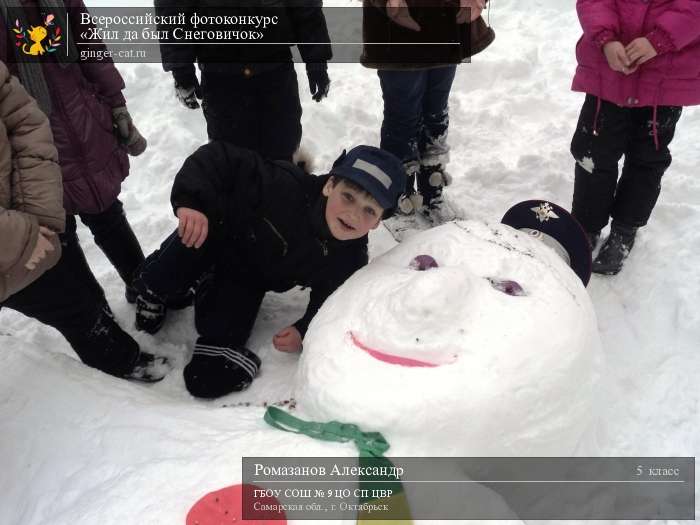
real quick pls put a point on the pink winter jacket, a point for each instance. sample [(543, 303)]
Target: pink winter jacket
[(672, 78)]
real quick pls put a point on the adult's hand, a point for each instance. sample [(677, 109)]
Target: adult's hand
[(398, 12), (470, 10)]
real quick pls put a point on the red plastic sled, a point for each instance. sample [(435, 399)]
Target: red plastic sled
[(224, 507)]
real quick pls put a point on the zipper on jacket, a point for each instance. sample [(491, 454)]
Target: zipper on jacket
[(324, 247), (285, 246)]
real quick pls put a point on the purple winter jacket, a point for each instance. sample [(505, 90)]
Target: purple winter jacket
[(93, 163), (672, 78)]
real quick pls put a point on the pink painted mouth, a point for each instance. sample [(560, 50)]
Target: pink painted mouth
[(388, 358)]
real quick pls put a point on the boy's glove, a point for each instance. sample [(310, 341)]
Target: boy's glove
[(187, 88), (319, 83), (127, 132)]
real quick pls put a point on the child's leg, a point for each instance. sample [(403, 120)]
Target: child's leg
[(226, 104), (433, 137), (174, 268), (226, 308), (644, 166), (403, 93), (116, 239), (225, 312), (68, 298), (598, 144), (279, 111), (262, 113), (166, 280), (434, 150)]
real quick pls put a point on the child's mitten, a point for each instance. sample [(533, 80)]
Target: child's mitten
[(187, 88), (319, 83), (126, 131)]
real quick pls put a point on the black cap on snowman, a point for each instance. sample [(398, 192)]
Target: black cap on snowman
[(555, 227)]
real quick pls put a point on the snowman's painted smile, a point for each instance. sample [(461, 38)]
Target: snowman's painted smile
[(393, 359)]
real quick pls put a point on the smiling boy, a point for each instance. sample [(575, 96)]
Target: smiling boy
[(248, 225)]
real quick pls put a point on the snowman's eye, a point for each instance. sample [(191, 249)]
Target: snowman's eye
[(422, 263), (507, 287)]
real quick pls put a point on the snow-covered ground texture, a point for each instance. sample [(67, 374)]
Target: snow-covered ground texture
[(79, 447)]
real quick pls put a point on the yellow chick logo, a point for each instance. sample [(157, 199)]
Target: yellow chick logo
[(30, 41), (36, 35)]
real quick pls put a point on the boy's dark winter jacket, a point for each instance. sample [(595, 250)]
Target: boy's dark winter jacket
[(298, 21), (267, 221)]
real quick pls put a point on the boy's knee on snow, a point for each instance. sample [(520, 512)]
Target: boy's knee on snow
[(215, 371)]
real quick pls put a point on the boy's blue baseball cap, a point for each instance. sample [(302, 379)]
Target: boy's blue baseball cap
[(379, 172)]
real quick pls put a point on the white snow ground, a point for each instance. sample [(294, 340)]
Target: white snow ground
[(79, 447)]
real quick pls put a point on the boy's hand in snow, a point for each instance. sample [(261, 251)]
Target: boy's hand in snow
[(287, 340), (617, 57), (397, 11), (193, 227), (639, 51), (474, 11)]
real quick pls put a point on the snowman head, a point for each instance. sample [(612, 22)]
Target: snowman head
[(467, 339)]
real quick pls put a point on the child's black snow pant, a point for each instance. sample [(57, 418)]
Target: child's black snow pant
[(261, 112), (68, 298), (116, 239), (604, 133), (226, 303)]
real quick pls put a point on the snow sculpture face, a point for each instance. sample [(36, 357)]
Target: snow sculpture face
[(494, 351)]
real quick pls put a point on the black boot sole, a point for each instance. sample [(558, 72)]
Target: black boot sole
[(605, 270), (152, 330)]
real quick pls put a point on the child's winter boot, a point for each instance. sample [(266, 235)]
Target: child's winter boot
[(151, 310), (432, 179), (615, 249), (109, 348), (122, 248), (149, 368), (410, 201)]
